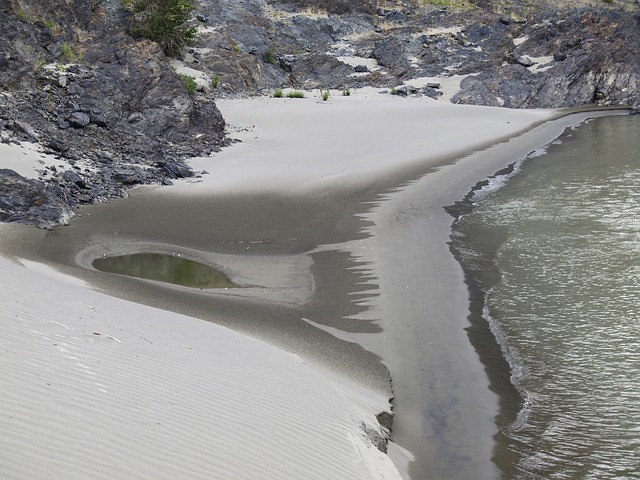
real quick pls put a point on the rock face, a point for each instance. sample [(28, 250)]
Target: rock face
[(111, 106), (73, 80), (528, 55), (587, 57)]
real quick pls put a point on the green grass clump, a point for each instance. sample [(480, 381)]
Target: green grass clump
[(215, 80), (68, 55), (325, 95), (346, 92), (295, 94), (277, 93), (271, 56), (189, 83), (163, 21)]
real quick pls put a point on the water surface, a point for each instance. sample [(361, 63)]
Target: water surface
[(165, 268), (556, 253)]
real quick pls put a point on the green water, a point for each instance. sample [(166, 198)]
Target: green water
[(556, 254), (165, 268)]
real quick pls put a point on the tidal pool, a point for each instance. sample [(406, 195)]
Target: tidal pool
[(165, 268)]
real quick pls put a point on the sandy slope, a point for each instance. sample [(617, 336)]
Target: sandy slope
[(96, 387)]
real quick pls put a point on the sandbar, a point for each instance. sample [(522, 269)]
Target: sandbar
[(331, 216)]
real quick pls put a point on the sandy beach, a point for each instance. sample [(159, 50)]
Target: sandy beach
[(330, 216)]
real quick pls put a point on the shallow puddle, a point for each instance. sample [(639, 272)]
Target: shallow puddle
[(165, 268)]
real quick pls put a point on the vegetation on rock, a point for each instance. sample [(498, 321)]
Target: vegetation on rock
[(163, 21)]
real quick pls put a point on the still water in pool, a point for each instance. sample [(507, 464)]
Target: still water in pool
[(165, 268)]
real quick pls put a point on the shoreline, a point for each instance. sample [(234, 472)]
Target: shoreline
[(335, 222), (451, 411)]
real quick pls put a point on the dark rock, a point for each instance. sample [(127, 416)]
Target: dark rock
[(98, 119), (396, 16), (391, 53), (176, 170), (72, 178), (560, 56), (405, 90), (286, 62), (361, 69), (25, 128), (202, 18), (79, 119), (29, 201), (510, 20), (432, 92), (72, 106), (128, 176), (58, 145)]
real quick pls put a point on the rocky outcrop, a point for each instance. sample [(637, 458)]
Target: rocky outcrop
[(72, 80), (111, 106), (565, 60), (31, 201)]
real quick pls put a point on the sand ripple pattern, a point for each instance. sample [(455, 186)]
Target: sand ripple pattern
[(94, 387)]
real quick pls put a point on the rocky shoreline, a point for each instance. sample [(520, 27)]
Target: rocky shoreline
[(116, 113)]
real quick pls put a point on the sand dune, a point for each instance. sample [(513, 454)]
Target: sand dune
[(95, 387)]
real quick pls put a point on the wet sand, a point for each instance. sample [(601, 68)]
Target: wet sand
[(332, 216)]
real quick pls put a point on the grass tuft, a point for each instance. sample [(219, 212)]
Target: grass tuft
[(189, 83)]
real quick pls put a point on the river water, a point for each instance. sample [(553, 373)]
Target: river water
[(554, 250)]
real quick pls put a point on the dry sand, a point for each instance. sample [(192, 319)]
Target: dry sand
[(331, 214)]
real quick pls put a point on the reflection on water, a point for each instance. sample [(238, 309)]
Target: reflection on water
[(556, 252), (164, 268)]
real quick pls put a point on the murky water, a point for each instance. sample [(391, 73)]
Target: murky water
[(556, 252), (165, 268)]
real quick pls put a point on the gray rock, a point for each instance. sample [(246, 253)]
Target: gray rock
[(79, 119), (523, 60), (406, 90), (135, 117), (62, 81), (27, 129), (30, 201), (58, 145), (98, 118)]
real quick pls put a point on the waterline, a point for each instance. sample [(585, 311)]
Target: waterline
[(555, 252)]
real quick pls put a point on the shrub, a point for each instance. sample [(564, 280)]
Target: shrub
[(163, 21), (277, 93), (189, 83), (325, 95), (295, 94), (346, 92), (215, 80), (271, 56), (68, 55)]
